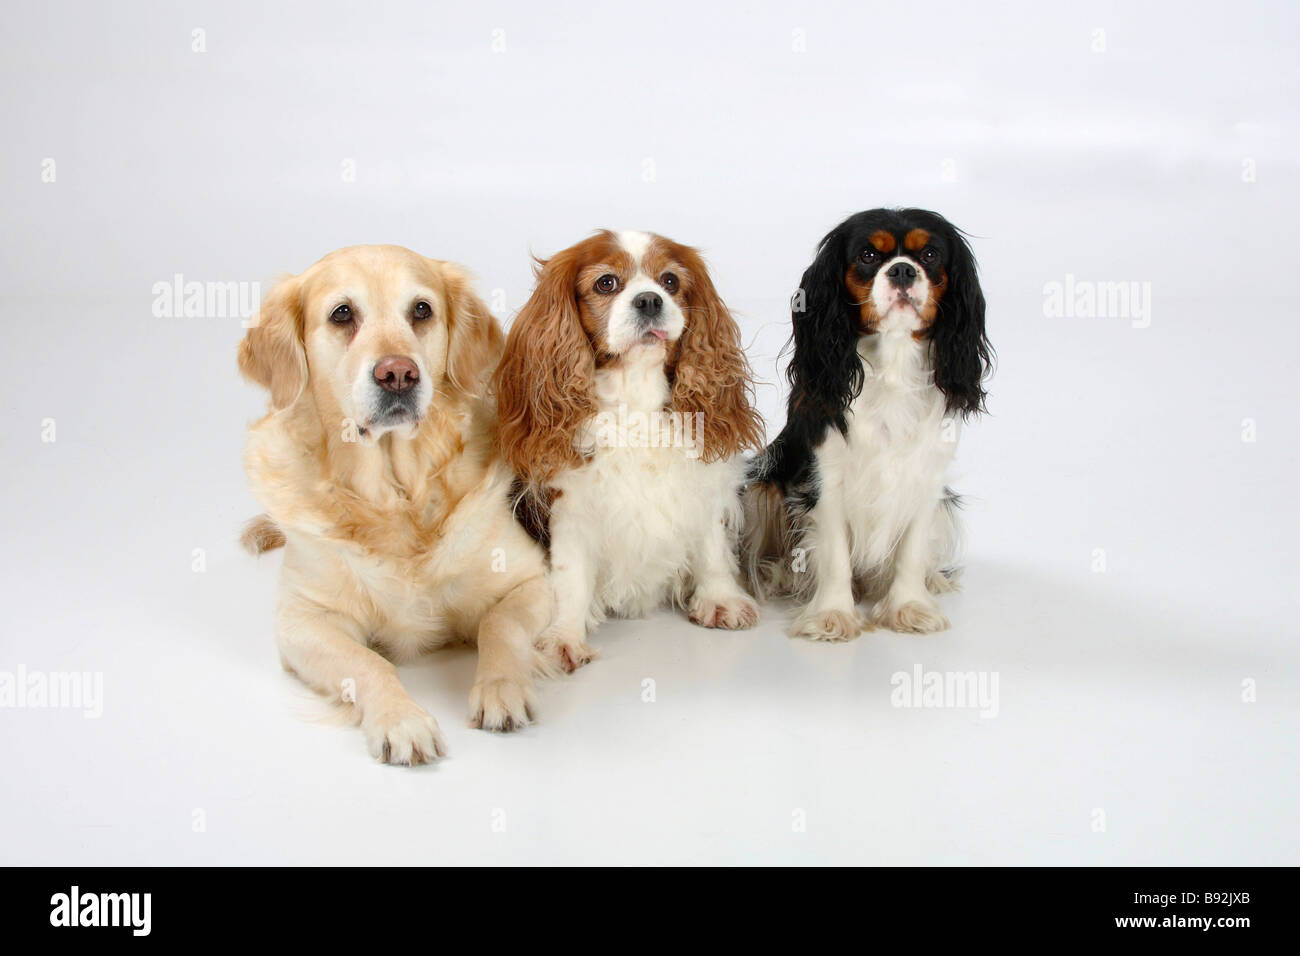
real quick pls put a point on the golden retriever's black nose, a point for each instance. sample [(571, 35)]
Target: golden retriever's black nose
[(396, 374)]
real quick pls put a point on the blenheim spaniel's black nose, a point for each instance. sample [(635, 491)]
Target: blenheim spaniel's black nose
[(648, 304)]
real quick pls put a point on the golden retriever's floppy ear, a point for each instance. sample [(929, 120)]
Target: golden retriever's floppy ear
[(545, 385), (711, 375), (474, 338), (271, 353)]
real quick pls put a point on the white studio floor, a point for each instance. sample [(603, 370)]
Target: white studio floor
[(1132, 514)]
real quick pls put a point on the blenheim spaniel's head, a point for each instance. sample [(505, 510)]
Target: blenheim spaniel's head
[(605, 301)]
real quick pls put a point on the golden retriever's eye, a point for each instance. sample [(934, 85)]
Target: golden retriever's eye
[(669, 282), (607, 284), (421, 311), (342, 315)]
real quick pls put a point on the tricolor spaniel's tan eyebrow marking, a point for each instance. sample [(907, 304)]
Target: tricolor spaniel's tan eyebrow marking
[(883, 241), (916, 240)]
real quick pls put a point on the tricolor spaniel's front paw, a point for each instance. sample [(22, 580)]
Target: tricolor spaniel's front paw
[(733, 613), (909, 617), (943, 582), (832, 625)]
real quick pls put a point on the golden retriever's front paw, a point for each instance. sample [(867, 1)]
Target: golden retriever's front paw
[(732, 613), (910, 617), (501, 704), (399, 731), (564, 649), (833, 625)]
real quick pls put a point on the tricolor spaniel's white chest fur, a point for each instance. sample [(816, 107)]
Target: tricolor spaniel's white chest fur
[(645, 510), (891, 466)]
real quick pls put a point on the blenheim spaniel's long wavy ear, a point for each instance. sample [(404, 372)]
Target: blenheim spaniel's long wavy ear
[(271, 352), (711, 375), (475, 340), (545, 385), (825, 372), (962, 353)]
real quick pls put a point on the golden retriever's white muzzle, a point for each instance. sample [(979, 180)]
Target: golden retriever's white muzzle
[(394, 395)]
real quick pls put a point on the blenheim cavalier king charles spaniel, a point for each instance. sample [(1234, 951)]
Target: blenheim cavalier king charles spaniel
[(377, 467), (890, 355), (625, 401)]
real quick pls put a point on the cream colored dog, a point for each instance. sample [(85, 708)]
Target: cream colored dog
[(378, 462)]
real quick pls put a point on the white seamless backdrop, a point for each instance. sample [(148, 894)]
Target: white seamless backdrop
[(1131, 506)]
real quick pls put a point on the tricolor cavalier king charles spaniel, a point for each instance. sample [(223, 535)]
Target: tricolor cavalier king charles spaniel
[(624, 402), (890, 355)]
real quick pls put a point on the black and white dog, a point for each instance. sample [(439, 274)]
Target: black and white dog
[(890, 355)]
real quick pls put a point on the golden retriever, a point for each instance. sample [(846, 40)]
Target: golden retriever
[(379, 468)]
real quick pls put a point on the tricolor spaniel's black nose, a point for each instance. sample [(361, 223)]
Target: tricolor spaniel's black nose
[(902, 274), (396, 374), (648, 304)]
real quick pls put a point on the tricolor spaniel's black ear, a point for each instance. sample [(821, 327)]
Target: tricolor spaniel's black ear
[(825, 372), (962, 353)]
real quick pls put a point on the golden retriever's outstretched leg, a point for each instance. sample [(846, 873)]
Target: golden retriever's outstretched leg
[(327, 651), (502, 698)]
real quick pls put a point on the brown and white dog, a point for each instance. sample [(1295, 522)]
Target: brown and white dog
[(378, 463), (624, 400)]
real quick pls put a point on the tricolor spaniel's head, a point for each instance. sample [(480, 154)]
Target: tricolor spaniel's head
[(595, 304), (889, 271)]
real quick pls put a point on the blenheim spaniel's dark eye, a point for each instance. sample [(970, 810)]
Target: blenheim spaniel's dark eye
[(421, 311), (670, 283), (342, 315), (870, 257), (930, 256), (607, 284)]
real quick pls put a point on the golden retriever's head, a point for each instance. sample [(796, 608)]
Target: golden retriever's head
[(374, 335)]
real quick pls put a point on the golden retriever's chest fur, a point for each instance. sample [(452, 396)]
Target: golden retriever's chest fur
[(413, 565), (407, 605)]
